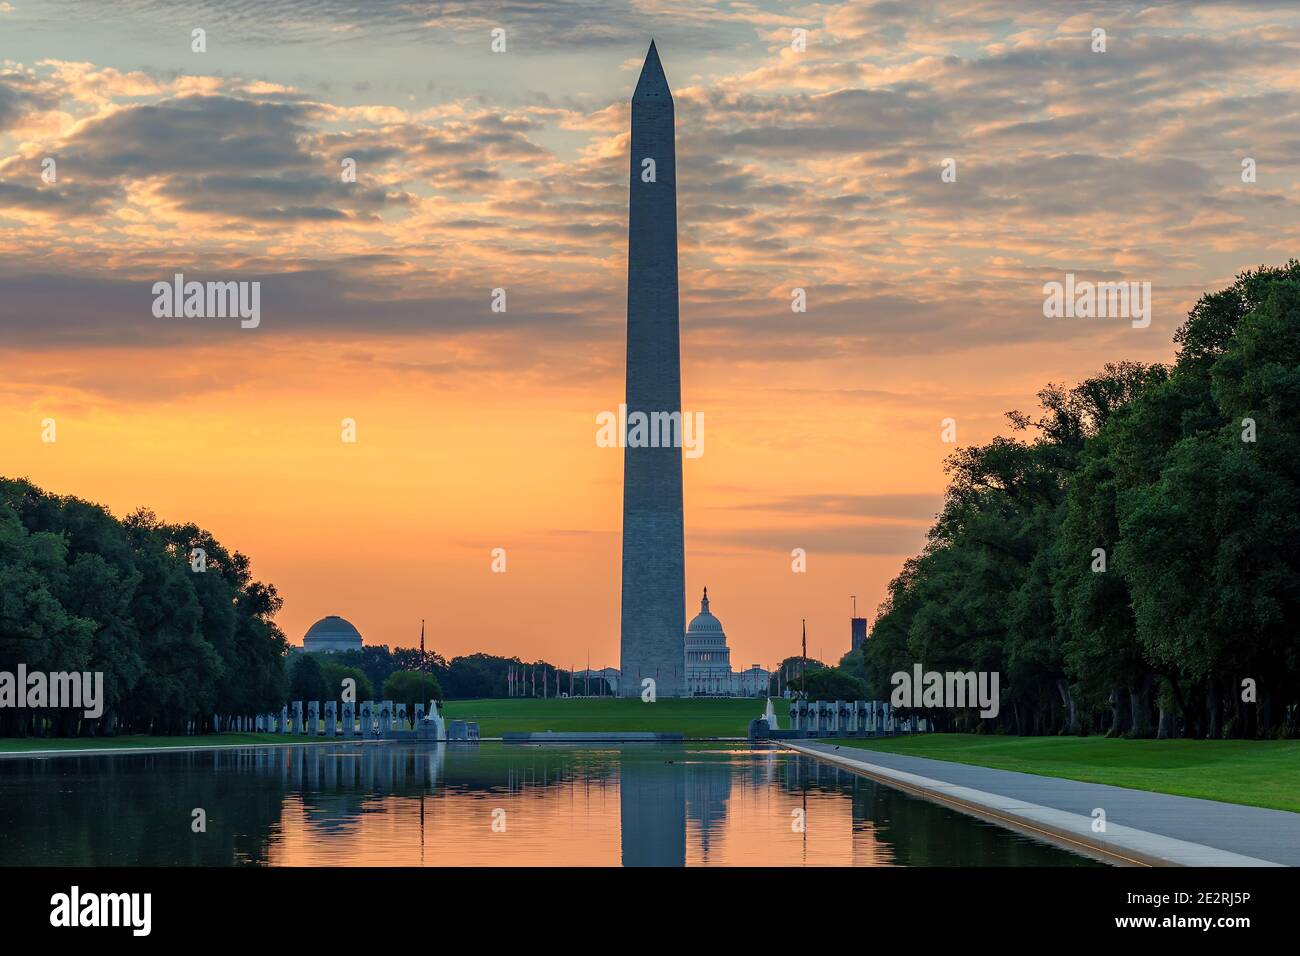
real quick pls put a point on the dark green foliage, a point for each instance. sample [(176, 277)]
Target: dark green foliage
[(83, 591), (831, 683), (1200, 531), (334, 674), (411, 688), (307, 681), (471, 676)]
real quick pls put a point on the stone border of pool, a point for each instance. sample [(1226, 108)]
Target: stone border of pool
[(1121, 845), (109, 751)]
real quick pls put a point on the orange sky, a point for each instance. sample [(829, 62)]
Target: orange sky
[(476, 430)]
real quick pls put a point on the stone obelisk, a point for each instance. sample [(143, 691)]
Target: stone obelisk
[(653, 625)]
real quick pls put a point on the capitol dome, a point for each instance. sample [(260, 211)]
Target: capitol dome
[(707, 657), (708, 661), (704, 622), (330, 635)]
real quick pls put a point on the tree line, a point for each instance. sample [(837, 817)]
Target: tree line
[(81, 591), (1129, 559), (475, 675), (178, 639)]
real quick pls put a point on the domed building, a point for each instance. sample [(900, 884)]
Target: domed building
[(331, 635), (708, 661)]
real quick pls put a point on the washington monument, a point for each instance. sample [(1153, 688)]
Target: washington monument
[(653, 625)]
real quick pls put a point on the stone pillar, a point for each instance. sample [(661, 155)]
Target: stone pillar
[(297, 718), (367, 718), (313, 718), (385, 718), (331, 719), (349, 721), (400, 718), (284, 719), (419, 715)]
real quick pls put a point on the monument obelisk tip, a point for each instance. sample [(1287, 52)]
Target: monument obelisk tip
[(652, 82)]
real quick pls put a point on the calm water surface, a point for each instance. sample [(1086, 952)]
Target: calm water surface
[(485, 805)]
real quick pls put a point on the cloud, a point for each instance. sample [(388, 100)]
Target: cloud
[(851, 539), (817, 170), (316, 300), (901, 507), (22, 94)]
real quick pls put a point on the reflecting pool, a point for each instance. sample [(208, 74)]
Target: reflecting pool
[(482, 805)]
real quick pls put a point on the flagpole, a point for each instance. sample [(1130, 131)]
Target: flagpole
[(803, 674)]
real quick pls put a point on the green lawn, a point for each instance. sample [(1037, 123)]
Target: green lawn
[(694, 717), (703, 717), (1259, 773)]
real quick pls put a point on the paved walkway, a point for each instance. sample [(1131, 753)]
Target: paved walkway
[(1142, 828)]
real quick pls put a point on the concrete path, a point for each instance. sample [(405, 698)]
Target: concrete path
[(1142, 828)]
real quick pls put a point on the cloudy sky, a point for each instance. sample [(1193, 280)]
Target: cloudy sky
[(817, 169)]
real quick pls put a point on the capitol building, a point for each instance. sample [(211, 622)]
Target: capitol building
[(708, 661), (708, 665)]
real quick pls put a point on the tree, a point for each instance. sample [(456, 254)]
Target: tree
[(830, 683), (176, 644), (411, 688), (1129, 565), (334, 674), (306, 680)]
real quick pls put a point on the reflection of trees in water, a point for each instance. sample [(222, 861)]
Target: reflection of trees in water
[(136, 809), (338, 786)]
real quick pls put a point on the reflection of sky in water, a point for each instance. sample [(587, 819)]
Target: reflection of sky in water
[(421, 805)]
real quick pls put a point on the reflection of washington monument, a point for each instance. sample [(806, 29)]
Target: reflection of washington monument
[(653, 622)]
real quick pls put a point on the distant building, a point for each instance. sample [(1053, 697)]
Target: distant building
[(708, 661), (331, 635), (587, 682), (858, 631)]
